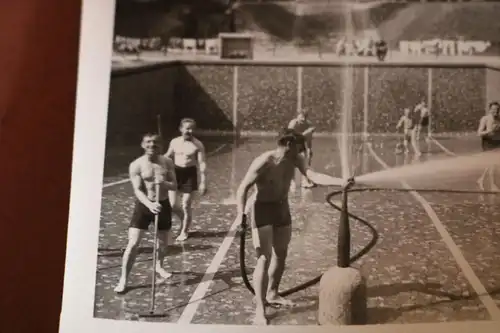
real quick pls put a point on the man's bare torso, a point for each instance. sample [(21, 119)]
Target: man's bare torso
[(185, 152), (273, 184), (152, 172)]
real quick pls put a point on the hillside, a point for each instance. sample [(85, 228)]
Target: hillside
[(289, 22)]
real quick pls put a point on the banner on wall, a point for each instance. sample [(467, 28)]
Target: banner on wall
[(449, 47)]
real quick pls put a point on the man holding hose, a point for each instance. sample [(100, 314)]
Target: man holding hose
[(268, 213), (146, 172)]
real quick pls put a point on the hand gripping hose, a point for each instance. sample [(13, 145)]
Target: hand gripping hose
[(357, 256)]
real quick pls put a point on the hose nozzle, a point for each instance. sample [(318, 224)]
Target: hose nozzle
[(349, 183)]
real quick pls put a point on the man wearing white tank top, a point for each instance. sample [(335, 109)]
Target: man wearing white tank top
[(188, 154)]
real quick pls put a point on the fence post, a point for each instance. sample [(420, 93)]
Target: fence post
[(429, 98), (235, 101), (366, 75), (299, 88)]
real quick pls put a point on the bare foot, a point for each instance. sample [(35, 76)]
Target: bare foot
[(278, 300), (182, 237), (121, 286), (163, 273), (308, 185), (260, 318)]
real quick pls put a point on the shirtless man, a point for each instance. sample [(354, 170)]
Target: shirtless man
[(423, 121), (145, 172), (269, 215), (188, 154), (302, 126), (489, 127), (408, 130)]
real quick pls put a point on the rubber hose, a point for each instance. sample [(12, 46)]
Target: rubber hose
[(357, 256)]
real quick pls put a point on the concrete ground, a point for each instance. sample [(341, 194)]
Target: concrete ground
[(436, 260)]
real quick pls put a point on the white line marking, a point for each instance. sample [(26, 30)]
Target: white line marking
[(443, 148), (469, 274), (126, 180), (203, 287)]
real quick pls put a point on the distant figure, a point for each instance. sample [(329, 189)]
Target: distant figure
[(489, 128), (423, 116), (381, 49), (408, 131)]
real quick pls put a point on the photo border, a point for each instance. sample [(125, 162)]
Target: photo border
[(77, 315)]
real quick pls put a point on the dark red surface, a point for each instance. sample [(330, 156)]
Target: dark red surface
[(39, 55)]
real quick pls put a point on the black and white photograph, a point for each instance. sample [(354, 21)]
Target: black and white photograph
[(313, 162)]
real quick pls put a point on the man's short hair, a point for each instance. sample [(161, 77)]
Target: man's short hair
[(150, 135), (187, 121), (289, 136), (493, 104)]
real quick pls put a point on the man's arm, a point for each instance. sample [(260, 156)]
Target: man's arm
[(255, 169), (136, 180), (482, 128), (170, 151), (316, 177), (202, 164), (308, 131), (292, 124), (400, 122), (171, 181)]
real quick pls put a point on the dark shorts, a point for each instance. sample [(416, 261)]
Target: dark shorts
[(187, 179), (275, 214), (424, 121), (489, 143), (142, 216)]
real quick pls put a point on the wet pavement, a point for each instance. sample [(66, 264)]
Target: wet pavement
[(412, 274)]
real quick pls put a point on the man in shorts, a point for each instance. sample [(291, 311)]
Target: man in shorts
[(302, 125), (145, 173), (489, 128), (269, 215), (189, 158), (408, 131), (422, 123)]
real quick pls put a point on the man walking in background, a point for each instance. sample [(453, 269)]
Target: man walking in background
[(189, 158)]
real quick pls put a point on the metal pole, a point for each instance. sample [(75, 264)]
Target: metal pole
[(366, 87), (299, 88), (236, 133), (344, 235), (429, 97), (235, 100)]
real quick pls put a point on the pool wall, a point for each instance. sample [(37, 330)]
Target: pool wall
[(262, 97)]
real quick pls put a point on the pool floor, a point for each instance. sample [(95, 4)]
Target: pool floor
[(437, 258)]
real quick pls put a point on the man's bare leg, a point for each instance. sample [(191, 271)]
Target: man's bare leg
[(163, 243), (172, 197), (415, 142), (281, 241), (187, 199), (134, 238), (308, 157), (262, 239)]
